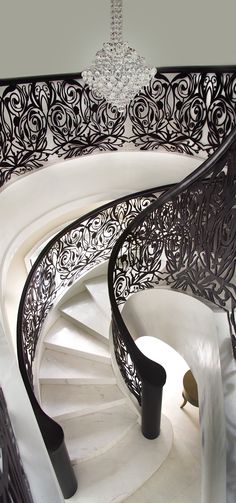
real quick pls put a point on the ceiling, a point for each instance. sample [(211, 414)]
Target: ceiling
[(57, 36)]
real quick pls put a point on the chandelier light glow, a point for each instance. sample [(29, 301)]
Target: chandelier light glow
[(118, 73)]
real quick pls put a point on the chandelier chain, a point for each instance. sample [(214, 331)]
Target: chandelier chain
[(118, 73)]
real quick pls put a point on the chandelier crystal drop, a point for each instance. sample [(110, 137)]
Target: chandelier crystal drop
[(118, 73)]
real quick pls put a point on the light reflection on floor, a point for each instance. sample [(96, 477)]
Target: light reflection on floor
[(179, 479)]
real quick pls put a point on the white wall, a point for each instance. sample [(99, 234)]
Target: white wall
[(37, 466), (54, 36)]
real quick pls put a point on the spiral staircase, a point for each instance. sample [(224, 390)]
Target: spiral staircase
[(90, 382), (79, 389)]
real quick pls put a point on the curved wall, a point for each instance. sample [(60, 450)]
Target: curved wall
[(63, 191), (189, 327)]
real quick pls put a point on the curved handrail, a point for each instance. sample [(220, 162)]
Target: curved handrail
[(217, 175), (187, 110), (67, 256)]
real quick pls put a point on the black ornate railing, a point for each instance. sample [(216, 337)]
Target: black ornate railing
[(51, 118), (191, 111), (75, 250), (186, 241)]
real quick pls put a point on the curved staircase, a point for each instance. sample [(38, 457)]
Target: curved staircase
[(79, 389), (190, 228)]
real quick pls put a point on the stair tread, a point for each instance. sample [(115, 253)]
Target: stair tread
[(98, 289), (93, 434), (83, 310), (67, 400), (63, 335), (119, 472), (63, 367)]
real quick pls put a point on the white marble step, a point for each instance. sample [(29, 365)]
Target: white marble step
[(64, 336), (84, 311), (98, 289), (93, 434), (57, 367), (119, 472), (63, 401)]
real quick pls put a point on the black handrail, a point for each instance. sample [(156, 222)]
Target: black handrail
[(188, 110), (144, 372), (143, 369), (78, 75), (40, 292)]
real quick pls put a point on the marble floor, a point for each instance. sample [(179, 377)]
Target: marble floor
[(179, 478)]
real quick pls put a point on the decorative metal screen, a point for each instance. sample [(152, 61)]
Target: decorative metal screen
[(46, 120)]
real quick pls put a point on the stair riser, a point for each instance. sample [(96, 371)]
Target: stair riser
[(89, 410), (49, 380), (76, 352), (101, 337), (77, 460)]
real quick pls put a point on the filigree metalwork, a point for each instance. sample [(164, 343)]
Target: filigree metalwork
[(85, 244), (189, 113), (188, 243), (126, 364), (186, 112), (43, 121), (14, 486)]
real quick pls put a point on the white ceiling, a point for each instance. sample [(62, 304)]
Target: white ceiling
[(57, 36)]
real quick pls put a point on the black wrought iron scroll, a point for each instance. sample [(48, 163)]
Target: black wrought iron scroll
[(47, 119), (186, 112), (186, 240), (75, 250), (78, 248), (14, 486)]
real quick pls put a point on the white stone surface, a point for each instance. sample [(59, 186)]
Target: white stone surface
[(98, 289), (66, 400), (38, 468), (99, 433), (84, 311), (64, 336), (179, 478), (93, 434), (191, 330), (113, 174), (57, 367), (123, 469)]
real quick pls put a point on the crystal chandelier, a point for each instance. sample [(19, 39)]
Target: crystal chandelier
[(118, 73)]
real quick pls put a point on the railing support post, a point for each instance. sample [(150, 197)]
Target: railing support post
[(151, 406), (64, 471)]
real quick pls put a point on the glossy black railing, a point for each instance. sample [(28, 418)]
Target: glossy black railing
[(74, 251), (184, 110), (54, 117), (186, 241)]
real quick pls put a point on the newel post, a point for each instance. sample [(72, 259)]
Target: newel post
[(151, 402)]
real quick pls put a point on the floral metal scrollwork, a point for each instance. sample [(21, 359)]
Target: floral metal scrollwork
[(45, 121), (187, 244), (87, 243)]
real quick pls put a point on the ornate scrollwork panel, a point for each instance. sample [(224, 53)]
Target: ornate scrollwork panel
[(126, 364), (45, 121), (189, 113), (86, 243), (187, 244)]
